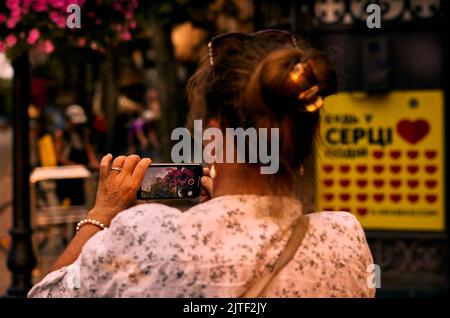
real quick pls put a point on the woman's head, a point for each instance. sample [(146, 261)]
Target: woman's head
[(264, 81)]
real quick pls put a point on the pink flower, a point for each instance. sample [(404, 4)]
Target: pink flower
[(58, 4), (94, 46), (61, 23), (2, 47), (10, 40), (126, 36), (40, 5), (48, 46), (58, 19), (15, 13), (26, 4), (3, 18), (12, 4), (133, 25), (11, 23), (33, 36), (54, 16)]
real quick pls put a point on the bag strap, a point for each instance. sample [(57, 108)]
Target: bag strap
[(295, 241)]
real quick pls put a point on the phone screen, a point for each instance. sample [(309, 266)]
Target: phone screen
[(171, 181)]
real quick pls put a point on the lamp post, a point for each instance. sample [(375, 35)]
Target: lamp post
[(21, 260)]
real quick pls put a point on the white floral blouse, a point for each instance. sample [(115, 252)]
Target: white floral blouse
[(217, 249)]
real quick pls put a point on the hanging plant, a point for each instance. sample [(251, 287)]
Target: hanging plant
[(43, 25)]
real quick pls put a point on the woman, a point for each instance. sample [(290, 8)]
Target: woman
[(249, 224)]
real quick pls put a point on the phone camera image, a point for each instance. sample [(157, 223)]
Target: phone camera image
[(171, 182)]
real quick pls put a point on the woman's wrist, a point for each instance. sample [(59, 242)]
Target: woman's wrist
[(100, 216)]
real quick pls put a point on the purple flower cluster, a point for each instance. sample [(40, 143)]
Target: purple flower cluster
[(178, 177)]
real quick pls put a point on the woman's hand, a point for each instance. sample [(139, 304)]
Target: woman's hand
[(116, 192), (117, 189), (207, 186)]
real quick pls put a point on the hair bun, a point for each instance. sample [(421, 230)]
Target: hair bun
[(292, 77)]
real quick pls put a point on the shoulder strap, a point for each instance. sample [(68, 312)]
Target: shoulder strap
[(288, 253)]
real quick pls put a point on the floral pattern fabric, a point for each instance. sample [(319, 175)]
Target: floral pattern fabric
[(217, 249)]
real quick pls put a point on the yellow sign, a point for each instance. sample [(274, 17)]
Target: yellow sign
[(382, 159)]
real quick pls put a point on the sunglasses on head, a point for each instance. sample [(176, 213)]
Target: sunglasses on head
[(220, 42)]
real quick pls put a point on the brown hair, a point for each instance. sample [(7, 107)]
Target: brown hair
[(250, 86)]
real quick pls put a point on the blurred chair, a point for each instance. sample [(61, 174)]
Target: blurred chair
[(59, 214), (47, 211)]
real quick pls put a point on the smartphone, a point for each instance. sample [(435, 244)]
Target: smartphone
[(171, 181)]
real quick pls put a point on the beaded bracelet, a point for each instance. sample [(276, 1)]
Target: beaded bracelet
[(92, 222)]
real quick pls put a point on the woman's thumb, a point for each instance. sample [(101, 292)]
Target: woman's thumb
[(207, 183)]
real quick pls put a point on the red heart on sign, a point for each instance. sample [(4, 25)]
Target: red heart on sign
[(430, 154), (413, 154), (378, 197), (328, 196), (344, 183), (328, 182), (361, 182), (345, 196), (413, 183), (362, 197), (346, 209), (396, 169), (396, 183), (413, 197), (413, 169), (378, 183), (395, 154), (378, 168), (378, 154), (430, 169), (361, 168), (328, 209), (430, 183), (362, 211), (430, 198), (345, 168), (395, 197), (327, 168), (413, 131)]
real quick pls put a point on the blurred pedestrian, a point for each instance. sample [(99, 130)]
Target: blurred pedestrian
[(73, 147), (73, 144)]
